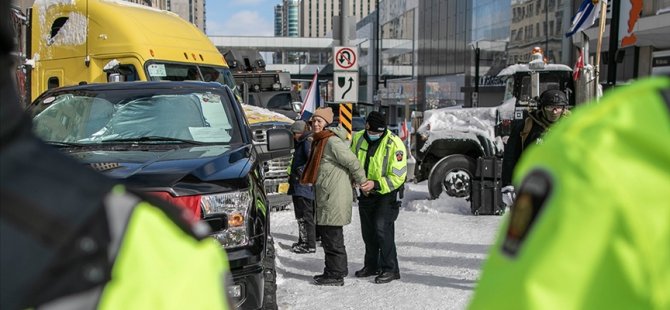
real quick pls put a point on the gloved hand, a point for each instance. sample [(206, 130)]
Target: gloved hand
[(508, 195)]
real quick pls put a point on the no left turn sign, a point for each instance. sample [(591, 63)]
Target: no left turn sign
[(345, 58)]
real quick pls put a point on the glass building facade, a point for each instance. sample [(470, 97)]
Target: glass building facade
[(432, 44), (292, 18), (279, 20), (439, 53)]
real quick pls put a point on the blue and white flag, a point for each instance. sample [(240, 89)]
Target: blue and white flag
[(312, 99), (585, 17)]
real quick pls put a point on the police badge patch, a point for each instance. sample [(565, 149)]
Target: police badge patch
[(399, 155), (530, 200)]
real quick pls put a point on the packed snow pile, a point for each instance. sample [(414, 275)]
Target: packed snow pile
[(417, 199), (440, 254), (464, 123)]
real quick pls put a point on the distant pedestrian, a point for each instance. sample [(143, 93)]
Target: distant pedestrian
[(302, 194), (331, 168), (384, 159), (530, 131)]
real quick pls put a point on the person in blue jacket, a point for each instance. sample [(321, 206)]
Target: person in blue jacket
[(303, 194)]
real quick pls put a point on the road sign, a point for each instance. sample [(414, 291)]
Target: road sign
[(346, 86), (345, 58)]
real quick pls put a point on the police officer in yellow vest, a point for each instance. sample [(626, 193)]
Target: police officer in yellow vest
[(384, 158), (72, 239), (590, 228)]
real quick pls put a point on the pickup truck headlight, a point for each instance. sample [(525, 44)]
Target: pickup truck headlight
[(235, 206)]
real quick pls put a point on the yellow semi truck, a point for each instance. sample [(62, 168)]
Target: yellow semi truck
[(96, 41)]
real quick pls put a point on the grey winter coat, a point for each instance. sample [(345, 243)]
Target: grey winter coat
[(338, 167)]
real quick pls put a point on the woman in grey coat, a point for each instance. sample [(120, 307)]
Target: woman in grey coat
[(331, 168)]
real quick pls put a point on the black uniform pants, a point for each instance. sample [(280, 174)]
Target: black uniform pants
[(378, 214), (332, 240)]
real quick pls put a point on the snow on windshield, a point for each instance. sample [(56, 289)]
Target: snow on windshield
[(464, 123)]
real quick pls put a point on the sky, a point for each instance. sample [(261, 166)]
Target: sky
[(240, 17), (441, 248)]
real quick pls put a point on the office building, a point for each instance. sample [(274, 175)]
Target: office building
[(287, 19), (191, 10), (316, 16)]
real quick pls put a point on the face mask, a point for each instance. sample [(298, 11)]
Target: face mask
[(374, 137)]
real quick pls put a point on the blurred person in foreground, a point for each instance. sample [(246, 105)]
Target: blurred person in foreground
[(331, 168), (590, 228), (72, 239), (384, 159), (302, 194)]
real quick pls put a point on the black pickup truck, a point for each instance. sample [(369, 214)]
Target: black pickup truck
[(187, 142)]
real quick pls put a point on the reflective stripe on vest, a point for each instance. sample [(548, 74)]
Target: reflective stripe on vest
[(385, 163)]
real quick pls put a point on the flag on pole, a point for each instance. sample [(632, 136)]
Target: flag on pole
[(585, 17), (579, 65), (404, 132), (312, 99)]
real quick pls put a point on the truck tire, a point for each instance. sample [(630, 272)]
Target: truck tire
[(452, 175), (270, 277)]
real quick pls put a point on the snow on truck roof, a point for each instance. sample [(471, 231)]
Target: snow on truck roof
[(463, 123), (511, 70)]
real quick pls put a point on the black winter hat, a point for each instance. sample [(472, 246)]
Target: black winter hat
[(553, 97), (376, 121)]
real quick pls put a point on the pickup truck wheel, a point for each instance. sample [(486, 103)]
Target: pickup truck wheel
[(452, 175), (270, 276)]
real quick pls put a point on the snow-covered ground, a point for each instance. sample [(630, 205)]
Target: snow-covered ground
[(441, 248)]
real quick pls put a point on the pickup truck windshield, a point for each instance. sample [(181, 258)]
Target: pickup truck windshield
[(137, 115)]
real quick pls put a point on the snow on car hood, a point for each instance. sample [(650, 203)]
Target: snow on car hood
[(463, 123), (257, 115)]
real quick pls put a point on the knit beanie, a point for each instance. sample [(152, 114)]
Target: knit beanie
[(325, 113), (376, 121), (298, 126)]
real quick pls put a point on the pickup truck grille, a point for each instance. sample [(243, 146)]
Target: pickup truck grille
[(276, 173), (276, 176)]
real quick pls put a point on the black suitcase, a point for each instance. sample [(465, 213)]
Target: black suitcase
[(486, 198), (489, 168), (485, 195)]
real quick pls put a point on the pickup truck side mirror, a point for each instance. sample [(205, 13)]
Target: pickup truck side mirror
[(297, 106), (279, 144)]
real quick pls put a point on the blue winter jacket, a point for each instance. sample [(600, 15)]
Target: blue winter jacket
[(300, 157)]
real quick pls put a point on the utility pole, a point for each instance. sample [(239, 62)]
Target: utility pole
[(614, 43), (375, 55), (344, 23), (546, 28), (475, 97)]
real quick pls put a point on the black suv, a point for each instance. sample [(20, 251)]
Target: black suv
[(187, 142)]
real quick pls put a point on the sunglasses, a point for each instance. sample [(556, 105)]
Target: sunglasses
[(554, 108)]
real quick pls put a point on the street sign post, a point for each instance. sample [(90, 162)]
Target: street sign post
[(346, 86)]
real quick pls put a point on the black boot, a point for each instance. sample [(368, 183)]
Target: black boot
[(303, 249), (328, 281), (387, 277), (366, 272)]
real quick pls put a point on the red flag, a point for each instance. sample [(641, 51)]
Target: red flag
[(579, 65), (403, 131)]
